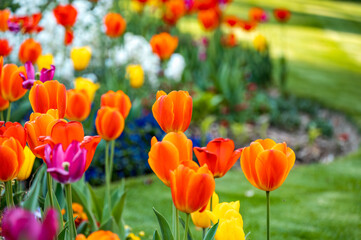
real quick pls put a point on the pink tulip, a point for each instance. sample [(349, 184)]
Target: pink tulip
[(66, 167), (19, 224)]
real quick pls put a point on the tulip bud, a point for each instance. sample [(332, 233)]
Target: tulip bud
[(80, 57)]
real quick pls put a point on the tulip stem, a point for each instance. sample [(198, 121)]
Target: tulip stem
[(108, 175), (187, 226), (177, 224), (49, 181), (8, 113), (112, 147), (204, 232), (174, 220), (9, 194), (1, 116), (268, 205), (71, 223)]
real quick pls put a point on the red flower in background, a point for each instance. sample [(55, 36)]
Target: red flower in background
[(282, 15), (258, 15), (25, 24), (205, 4), (231, 20), (65, 15), (247, 26), (5, 48), (174, 10), (115, 24), (69, 36), (209, 18), (229, 40)]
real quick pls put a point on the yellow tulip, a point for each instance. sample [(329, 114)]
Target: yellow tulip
[(229, 229), (44, 61), (132, 236), (87, 85), (201, 219), (226, 211), (80, 57), (25, 170), (260, 43), (136, 6), (135, 74)]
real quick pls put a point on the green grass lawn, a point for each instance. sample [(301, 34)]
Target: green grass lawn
[(318, 201)]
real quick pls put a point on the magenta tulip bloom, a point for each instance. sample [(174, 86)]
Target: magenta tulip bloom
[(66, 167), (45, 75), (19, 224)]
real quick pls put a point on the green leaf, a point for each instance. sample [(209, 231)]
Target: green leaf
[(164, 226), (62, 234), (156, 235), (57, 208), (97, 202), (118, 208), (189, 235), (31, 202), (80, 198), (112, 226), (211, 232)]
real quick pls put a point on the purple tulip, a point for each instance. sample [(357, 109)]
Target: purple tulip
[(14, 27), (19, 224), (45, 75), (66, 167)]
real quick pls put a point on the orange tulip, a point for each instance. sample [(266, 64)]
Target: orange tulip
[(40, 125), (29, 50), (219, 155), (257, 14), (5, 48), (109, 123), (15, 130), (11, 84), (191, 188), (229, 40), (65, 15), (174, 10), (4, 104), (48, 95), (118, 100), (282, 15), (115, 25), (65, 133), (266, 164), (209, 18), (163, 45), (99, 235), (165, 156), (4, 17), (247, 25), (11, 158), (78, 105), (231, 20), (173, 112)]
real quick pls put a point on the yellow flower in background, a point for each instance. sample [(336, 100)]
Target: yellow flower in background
[(142, 233), (260, 43), (80, 57), (135, 74), (27, 167), (132, 236), (88, 85), (44, 61), (201, 219), (229, 229), (136, 6)]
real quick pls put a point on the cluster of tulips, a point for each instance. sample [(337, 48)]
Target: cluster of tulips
[(265, 164), (62, 145)]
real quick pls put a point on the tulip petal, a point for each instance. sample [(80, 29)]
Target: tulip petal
[(163, 158), (182, 143), (266, 143), (163, 112), (248, 159), (271, 167), (8, 164)]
